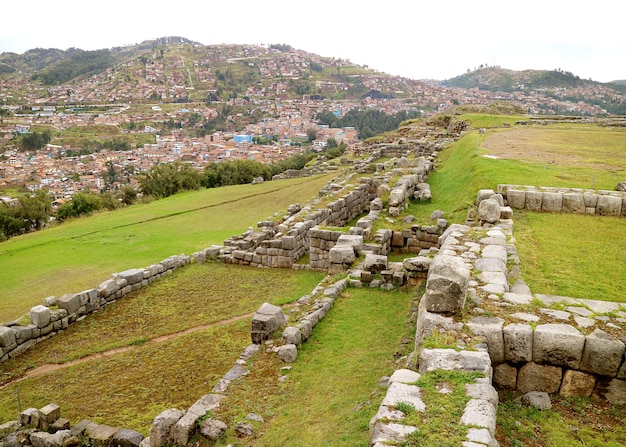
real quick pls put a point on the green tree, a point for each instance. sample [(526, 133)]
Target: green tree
[(35, 209), (311, 134), (166, 179), (81, 203)]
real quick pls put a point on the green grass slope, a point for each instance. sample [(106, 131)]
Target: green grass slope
[(80, 254)]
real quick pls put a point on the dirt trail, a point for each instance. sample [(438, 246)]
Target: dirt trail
[(50, 367)]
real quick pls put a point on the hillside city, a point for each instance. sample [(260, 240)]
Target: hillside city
[(140, 95)]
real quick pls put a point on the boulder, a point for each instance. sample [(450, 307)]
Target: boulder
[(446, 285), (266, 320), (621, 186), (537, 399), (7, 337), (375, 263), (183, 428), (287, 353), (213, 429), (127, 438), (489, 211), (609, 206), (40, 316), (534, 377), (558, 344), (603, 354), (577, 384), (161, 426)]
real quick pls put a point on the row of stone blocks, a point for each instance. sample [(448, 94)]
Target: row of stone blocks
[(388, 426), (45, 427), (56, 314), (576, 201)]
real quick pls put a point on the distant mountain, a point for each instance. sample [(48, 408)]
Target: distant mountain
[(557, 84)]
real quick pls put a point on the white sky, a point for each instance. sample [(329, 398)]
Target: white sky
[(412, 38)]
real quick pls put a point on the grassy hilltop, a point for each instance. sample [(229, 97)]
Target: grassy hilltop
[(133, 361)]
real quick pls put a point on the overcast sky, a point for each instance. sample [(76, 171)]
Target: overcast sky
[(411, 38)]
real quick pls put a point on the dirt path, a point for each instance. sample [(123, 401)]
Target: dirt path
[(50, 367)]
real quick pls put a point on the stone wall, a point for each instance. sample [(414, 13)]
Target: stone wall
[(565, 200), (56, 314)]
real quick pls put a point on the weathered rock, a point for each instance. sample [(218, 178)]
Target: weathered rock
[(518, 343), (621, 186), (609, 206), (534, 377), (182, 430), (534, 200), (516, 199), (287, 353), (213, 429), (40, 316), (480, 413), (161, 426), (491, 329), (573, 203), (616, 392), (266, 320), (558, 344), (101, 434), (43, 439), (484, 194), (385, 433), (70, 302), (505, 376), (537, 399), (552, 202), (375, 263), (402, 392), (446, 285), (243, 430), (577, 384), (127, 438), (292, 335), (489, 211), (602, 354), (342, 254), (7, 337), (451, 360)]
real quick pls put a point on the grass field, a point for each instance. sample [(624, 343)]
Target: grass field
[(80, 254), (331, 391), (151, 376)]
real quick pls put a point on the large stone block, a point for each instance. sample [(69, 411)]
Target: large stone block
[(70, 302), (266, 320), (452, 360), (491, 329), (489, 211), (534, 377), (133, 276), (534, 200), (603, 354), (341, 254), (609, 206), (577, 384), (505, 376), (353, 240), (183, 428), (518, 343), (558, 344), (49, 413), (552, 202), (573, 203), (127, 438), (7, 337), (162, 425), (516, 199), (446, 285), (40, 316)]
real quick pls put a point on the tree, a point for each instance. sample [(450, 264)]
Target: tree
[(166, 179), (81, 203), (311, 134), (127, 194), (35, 209)]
